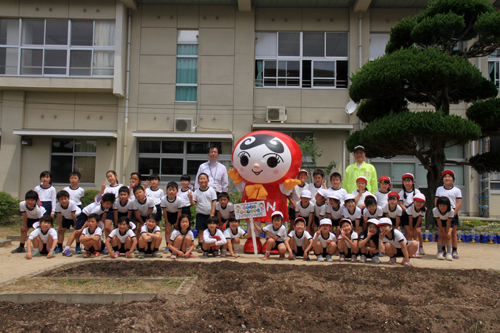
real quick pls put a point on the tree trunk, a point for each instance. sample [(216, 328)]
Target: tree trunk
[(433, 182)]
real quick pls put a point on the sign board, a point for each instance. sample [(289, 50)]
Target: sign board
[(249, 210)]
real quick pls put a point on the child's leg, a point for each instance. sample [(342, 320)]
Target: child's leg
[(142, 243), (37, 244), (282, 248), (390, 250), (60, 235), (156, 243), (50, 243), (342, 246), (177, 244), (128, 244), (454, 241), (418, 236), (331, 248), (168, 230), (271, 243), (318, 248), (408, 232), (293, 244), (108, 226), (115, 243), (187, 243)]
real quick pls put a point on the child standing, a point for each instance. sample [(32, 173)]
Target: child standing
[(181, 242), (319, 207), (392, 209), (123, 206), (67, 211), (352, 212), (408, 192), (455, 196), (150, 238), (47, 193), (213, 238), (142, 206), (415, 212), (395, 243), (172, 209), (325, 242), (183, 194), (233, 233), (121, 240), (305, 209), (348, 241), (31, 213), (205, 199), (299, 241), (335, 210), (361, 193), (76, 193), (385, 188), (92, 237), (370, 244), (113, 188), (294, 196), (276, 235), (336, 181), (135, 180), (443, 216), (319, 182), (44, 239), (224, 208), (155, 192)]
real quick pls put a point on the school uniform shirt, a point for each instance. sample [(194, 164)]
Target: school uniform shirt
[(47, 194), (396, 240), (409, 197), (335, 214), (392, 213), (75, 194), (453, 194), (314, 190), (323, 240), (413, 213), (299, 241), (131, 194), (438, 216), (376, 215), (354, 237), (70, 208), (44, 236), (225, 212), (280, 232), (35, 213), (184, 196), (356, 215), (210, 239), (176, 233), (144, 207), (121, 237), (94, 208), (122, 209), (113, 189), (157, 195), (172, 206), (217, 176), (145, 230), (361, 200), (341, 192), (304, 211), (320, 209), (296, 192), (204, 200), (382, 198), (228, 233), (97, 232)]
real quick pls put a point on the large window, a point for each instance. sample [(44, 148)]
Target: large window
[(493, 68), (495, 177), (186, 87), (38, 47), (378, 42), (73, 155), (172, 159), (301, 59)]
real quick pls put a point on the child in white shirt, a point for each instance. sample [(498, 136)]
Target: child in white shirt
[(44, 239), (233, 233), (325, 242), (299, 241), (121, 240), (213, 238), (181, 242)]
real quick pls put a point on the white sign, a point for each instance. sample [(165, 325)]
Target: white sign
[(249, 210)]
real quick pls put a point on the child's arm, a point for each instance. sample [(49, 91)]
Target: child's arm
[(401, 205), (25, 222), (212, 213), (208, 239), (448, 228), (179, 213), (219, 217), (191, 200), (381, 246), (292, 202), (52, 248), (311, 219), (174, 250), (138, 217), (103, 187), (398, 221), (272, 236), (458, 206), (288, 248), (54, 202), (356, 224), (257, 228), (132, 248), (115, 214), (109, 247), (59, 219), (73, 216), (404, 249), (165, 213), (29, 254), (362, 244), (150, 211), (156, 235), (418, 224), (230, 247)]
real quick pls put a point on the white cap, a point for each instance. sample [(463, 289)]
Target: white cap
[(325, 222), (359, 147), (374, 221), (334, 195), (323, 192), (349, 197), (277, 213), (419, 197), (345, 220), (384, 221), (306, 194)]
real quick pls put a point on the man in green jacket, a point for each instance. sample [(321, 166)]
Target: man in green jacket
[(360, 168)]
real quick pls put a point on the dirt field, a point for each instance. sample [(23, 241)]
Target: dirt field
[(235, 297)]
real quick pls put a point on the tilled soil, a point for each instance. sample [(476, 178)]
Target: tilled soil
[(235, 297)]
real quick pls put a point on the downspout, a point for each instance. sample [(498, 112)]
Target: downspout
[(360, 49), (127, 90)]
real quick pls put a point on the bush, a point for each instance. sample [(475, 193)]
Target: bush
[(9, 206), (89, 197)]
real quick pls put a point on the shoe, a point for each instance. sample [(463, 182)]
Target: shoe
[(223, 254), (440, 256), (449, 257), (95, 254), (376, 260), (354, 258), (422, 252), (18, 250), (417, 255), (87, 254), (363, 258), (192, 255), (342, 257), (105, 251), (329, 258), (136, 252), (392, 261), (166, 250), (293, 254), (337, 253), (78, 250), (215, 253), (282, 256), (199, 249), (57, 250), (455, 255), (205, 255), (266, 256), (236, 252), (157, 254), (117, 254), (67, 253), (141, 255), (53, 254), (173, 256), (320, 258), (36, 253), (126, 254)]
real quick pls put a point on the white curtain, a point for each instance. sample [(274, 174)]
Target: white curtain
[(104, 62), (104, 33)]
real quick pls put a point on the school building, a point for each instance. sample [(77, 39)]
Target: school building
[(147, 85)]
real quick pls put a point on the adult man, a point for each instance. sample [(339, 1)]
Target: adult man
[(360, 168), (217, 172)]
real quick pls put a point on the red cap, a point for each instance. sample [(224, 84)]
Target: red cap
[(448, 172), (393, 194), (407, 175), (361, 179), (303, 170), (419, 197), (384, 178)]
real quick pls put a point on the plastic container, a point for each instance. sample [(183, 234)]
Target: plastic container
[(464, 238), (430, 237), (483, 239), (195, 233), (437, 236)]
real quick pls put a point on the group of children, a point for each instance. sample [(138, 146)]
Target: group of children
[(324, 221)]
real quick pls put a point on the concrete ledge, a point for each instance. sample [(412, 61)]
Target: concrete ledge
[(5, 242), (14, 237), (75, 297)]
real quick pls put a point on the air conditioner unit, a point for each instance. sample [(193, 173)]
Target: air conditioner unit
[(276, 113), (183, 125)]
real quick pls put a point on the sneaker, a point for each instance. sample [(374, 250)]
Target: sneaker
[(198, 248), (18, 250), (449, 257), (363, 258), (87, 254), (136, 252), (282, 256), (422, 252), (354, 258), (205, 255), (440, 256), (95, 254), (57, 250), (215, 253), (36, 253), (337, 253), (105, 251), (455, 255), (157, 254), (67, 253), (166, 250), (173, 256), (376, 260), (53, 254), (117, 254), (266, 256), (293, 254), (417, 255), (223, 253), (392, 261), (78, 250), (192, 255), (320, 257), (342, 257), (329, 258), (141, 255)]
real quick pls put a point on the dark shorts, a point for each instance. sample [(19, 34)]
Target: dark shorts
[(291, 214), (110, 215), (316, 220), (454, 222), (187, 211), (275, 248), (300, 252), (335, 223), (120, 215), (399, 253), (159, 214), (306, 219), (29, 223), (92, 249), (201, 222), (120, 248), (48, 207), (44, 249), (393, 220), (171, 218), (348, 253), (404, 221), (67, 223), (80, 221), (148, 249)]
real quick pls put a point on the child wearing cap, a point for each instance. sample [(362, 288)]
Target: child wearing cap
[(392, 209), (370, 244), (305, 209), (334, 210), (233, 233), (347, 241), (352, 212), (395, 244), (320, 205), (408, 192), (443, 217), (276, 235), (294, 196), (336, 181), (325, 242), (319, 182), (298, 243), (415, 212), (455, 196), (372, 210), (385, 187), (361, 193)]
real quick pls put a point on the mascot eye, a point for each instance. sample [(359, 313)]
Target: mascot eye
[(274, 160), (244, 160)]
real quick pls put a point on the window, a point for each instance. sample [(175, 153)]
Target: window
[(301, 59), (73, 155), (186, 87), (38, 47), (172, 159), (495, 177), (493, 67), (378, 43)]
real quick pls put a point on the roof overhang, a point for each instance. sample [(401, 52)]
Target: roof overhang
[(177, 135), (291, 126), (69, 133)]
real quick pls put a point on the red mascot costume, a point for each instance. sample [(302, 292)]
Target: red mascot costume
[(265, 166)]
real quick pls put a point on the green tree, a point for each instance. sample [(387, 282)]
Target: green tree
[(425, 63), (310, 155)]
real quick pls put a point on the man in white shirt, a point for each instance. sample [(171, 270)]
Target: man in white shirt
[(217, 172)]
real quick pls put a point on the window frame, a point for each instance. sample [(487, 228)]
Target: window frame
[(495, 182), (190, 56), (73, 155)]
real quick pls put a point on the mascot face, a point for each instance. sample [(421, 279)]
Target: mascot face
[(266, 157)]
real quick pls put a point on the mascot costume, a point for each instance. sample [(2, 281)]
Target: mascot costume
[(265, 166)]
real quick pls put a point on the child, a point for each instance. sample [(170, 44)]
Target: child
[(443, 216), (325, 243), (205, 199), (294, 195), (392, 209), (336, 181), (299, 241), (319, 207), (123, 206), (335, 210), (44, 239), (183, 194), (408, 192), (135, 180), (67, 212), (395, 243), (76, 193), (415, 212), (31, 213), (122, 239), (47, 193), (156, 193), (347, 241), (213, 238), (352, 212), (385, 188), (361, 193), (369, 243), (233, 233), (99, 209), (113, 188), (224, 208), (181, 242), (455, 196), (150, 238), (319, 182), (276, 235), (372, 210), (92, 237), (172, 209), (142, 206), (305, 209)]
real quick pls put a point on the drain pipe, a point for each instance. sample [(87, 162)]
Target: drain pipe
[(360, 49), (127, 90)]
